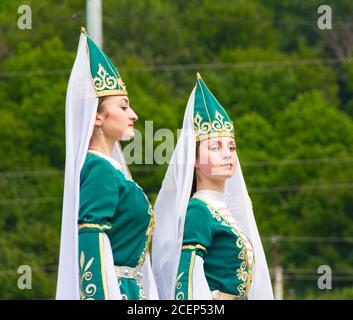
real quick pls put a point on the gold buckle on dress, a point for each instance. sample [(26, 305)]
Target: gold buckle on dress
[(128, 272)]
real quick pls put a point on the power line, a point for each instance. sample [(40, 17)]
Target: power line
[(314, 271), (286, 272), (304, 188), (296, 162), (261, 20), (73, 18), (265, 163), (31, 200), (34, 173), (45, 268), (301, 188), (189, 67), (315, 278), (33, 73), (319, 239), (177, 16)]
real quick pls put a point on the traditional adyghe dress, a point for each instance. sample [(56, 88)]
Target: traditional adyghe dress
[(214, 243), (107, 220), (113, 204), (205, 247)]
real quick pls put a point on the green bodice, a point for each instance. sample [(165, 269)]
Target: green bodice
[(221, 245), (115, 205)]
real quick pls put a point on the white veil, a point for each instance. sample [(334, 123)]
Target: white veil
[(170, 210), (81, 108)]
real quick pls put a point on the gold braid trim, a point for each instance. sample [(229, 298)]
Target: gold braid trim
[(94, 226), (192, 247), (191, 271), (214, 135), (149, 233), (101, 253), (114, 92)]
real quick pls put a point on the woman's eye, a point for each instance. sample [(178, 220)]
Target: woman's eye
[(232, 148), (124, 108)]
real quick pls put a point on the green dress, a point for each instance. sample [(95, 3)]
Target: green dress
[(117, 206), (222, 246)]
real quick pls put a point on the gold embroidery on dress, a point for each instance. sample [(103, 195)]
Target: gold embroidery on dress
[(148, 233), (141, 291), (85, 275), (179, 286), (241, 273), (150, 228), (123, 295)]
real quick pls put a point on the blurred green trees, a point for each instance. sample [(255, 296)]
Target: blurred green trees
[(267, 64)]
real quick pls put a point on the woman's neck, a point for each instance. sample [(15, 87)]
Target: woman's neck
[(101, 144), (210, 185)]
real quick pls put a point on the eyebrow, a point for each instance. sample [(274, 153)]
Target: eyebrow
[(220, 141), (214, 142)]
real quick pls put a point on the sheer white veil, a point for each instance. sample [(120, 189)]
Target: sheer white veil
[(170, 210), (81, 108)]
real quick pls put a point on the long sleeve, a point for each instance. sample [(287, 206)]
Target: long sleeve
[(197, 238), (99, 198)]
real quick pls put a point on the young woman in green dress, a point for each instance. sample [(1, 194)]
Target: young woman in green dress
[(204, 214), (107, 219)]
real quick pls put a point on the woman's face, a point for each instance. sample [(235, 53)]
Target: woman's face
[(117, 118), (216, 158)]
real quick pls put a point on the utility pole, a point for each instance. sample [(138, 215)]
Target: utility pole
[(94, 21), (277, 270)]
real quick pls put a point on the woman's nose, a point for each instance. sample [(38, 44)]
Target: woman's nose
[(227, 153), (133, 115)]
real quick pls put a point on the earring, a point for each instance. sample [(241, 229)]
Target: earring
[(101, 130)]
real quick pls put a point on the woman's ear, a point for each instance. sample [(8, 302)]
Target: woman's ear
[(99, 120)]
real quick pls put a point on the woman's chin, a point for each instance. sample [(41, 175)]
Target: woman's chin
[(225, 172), (226, 175), (128, 135)]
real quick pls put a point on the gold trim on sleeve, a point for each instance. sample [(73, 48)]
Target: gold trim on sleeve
[(191, 271), (104, 278), (94, 226), (192, 247)]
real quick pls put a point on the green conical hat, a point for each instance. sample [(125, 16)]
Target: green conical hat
[(210, 118), (105, 77)]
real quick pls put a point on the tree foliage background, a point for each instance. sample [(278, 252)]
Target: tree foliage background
[(288, 87)]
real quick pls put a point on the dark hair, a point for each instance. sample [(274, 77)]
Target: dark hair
[(194, 181), (100, 107)]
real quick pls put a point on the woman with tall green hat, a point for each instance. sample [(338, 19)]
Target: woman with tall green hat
[(206, 244), (107, 220)]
